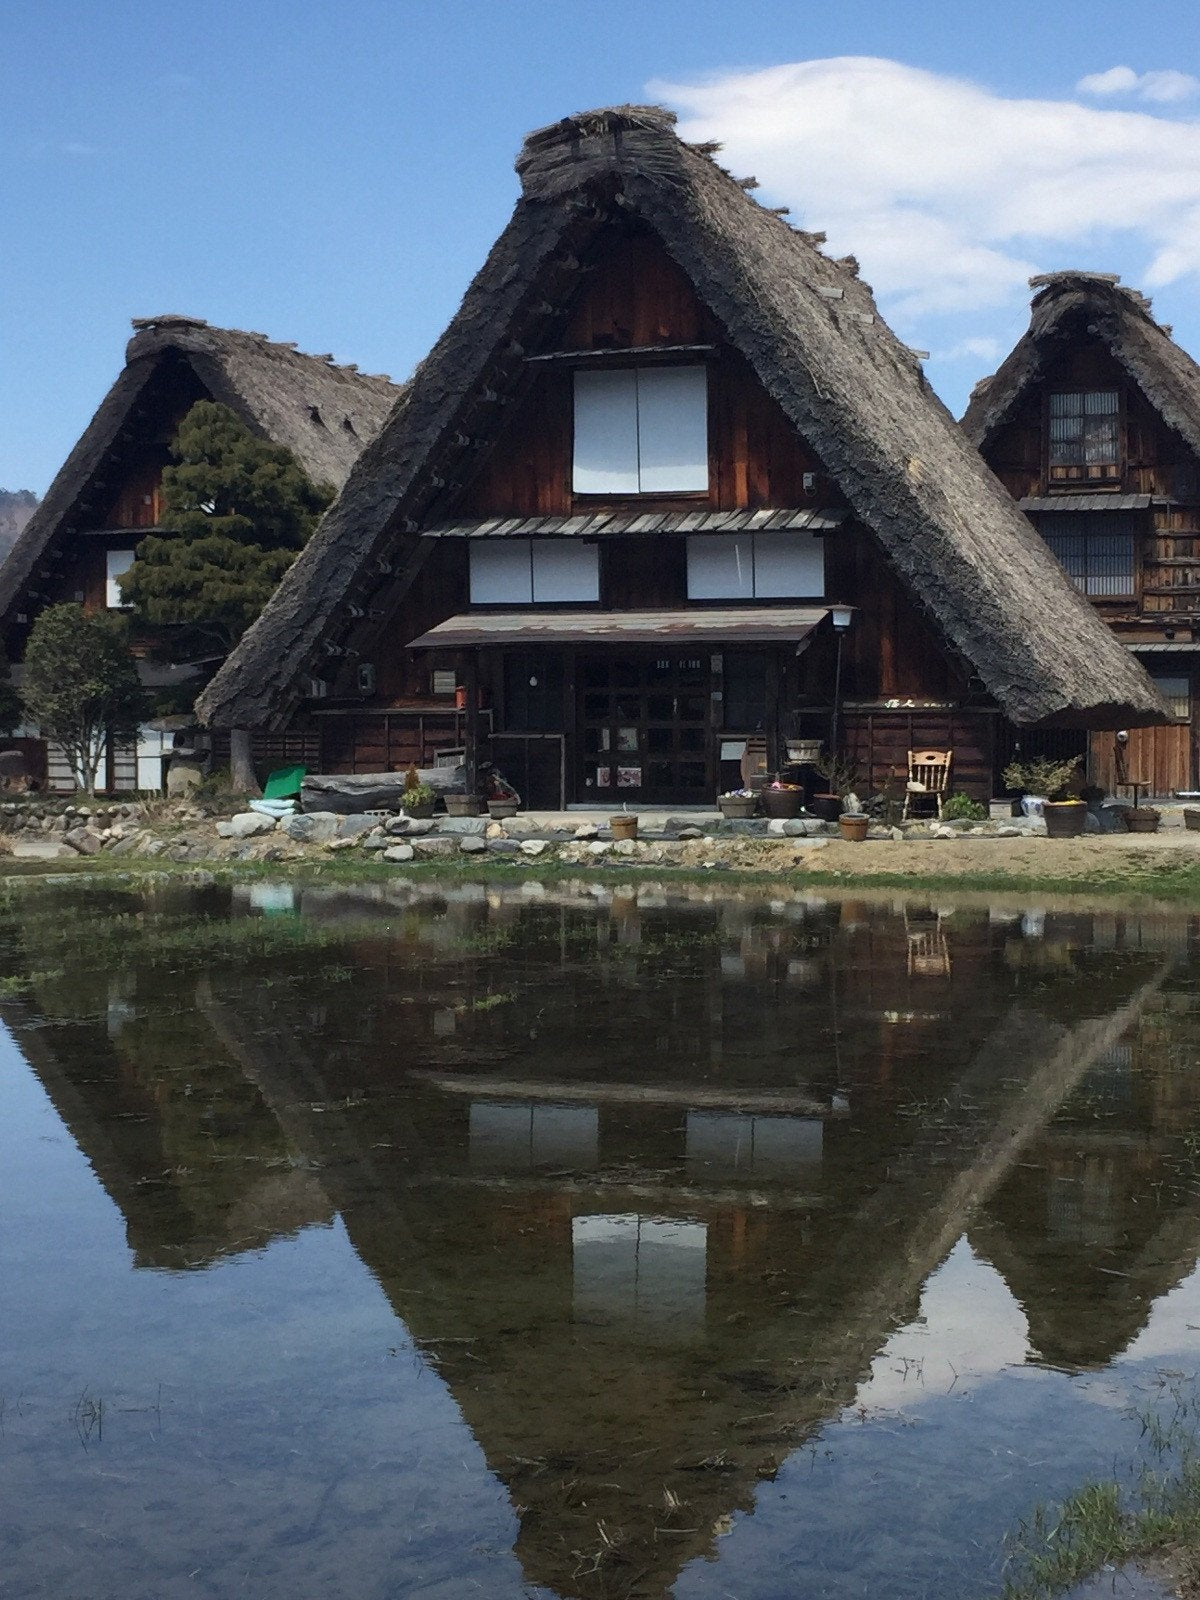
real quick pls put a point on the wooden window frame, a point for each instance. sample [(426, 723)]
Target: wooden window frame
[(621, 361), (1114, 481)]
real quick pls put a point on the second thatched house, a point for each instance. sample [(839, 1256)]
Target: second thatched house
[(108, 493), (1093, 424), (666, 484)]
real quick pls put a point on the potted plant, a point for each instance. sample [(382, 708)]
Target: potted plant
[(499, 809), (462, 805), (624, 825), (841, 776), (1142, 819), (781, 799), (853, 825), (961, 808), (1065, 814), (738, 804), (419, 800)]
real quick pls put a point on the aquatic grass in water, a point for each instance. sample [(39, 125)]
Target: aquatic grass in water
[(1104, 1524)]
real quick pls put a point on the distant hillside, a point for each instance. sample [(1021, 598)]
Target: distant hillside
[(16, 508)]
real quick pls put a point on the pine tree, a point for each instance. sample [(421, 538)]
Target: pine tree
[(81, 684), (236, 512)]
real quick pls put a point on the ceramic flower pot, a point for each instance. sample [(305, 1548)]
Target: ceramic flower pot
[(462, 805), (826, 806), (853, 825), (418, 808), (499, 809), (783, 802), (739, 807), (1065, 819)]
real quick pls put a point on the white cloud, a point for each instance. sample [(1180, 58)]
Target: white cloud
[(1164, 87), (977, 348), (951, 195)]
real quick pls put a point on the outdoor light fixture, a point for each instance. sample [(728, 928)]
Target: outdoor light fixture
[(841, 617)]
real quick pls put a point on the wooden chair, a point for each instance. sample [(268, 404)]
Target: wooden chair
[(755, 772), (928, 952), (928, 778)]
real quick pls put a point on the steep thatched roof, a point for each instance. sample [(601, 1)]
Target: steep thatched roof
[(1066, 305), (323, 413), (811, 332)]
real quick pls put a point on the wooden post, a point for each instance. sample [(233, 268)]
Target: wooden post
[(241, 763), (470, 677), (774, 744)]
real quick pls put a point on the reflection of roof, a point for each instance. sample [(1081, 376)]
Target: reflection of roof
[(586, 1403)]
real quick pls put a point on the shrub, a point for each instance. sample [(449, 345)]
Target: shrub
[(961, 808), (1050, 779)]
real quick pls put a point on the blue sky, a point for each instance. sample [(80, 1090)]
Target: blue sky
[(335, 174)]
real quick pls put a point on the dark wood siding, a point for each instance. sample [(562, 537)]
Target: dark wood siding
[(635, 296)]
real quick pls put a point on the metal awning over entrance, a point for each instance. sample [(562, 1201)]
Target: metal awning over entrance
[(614, 524), (686, 628)]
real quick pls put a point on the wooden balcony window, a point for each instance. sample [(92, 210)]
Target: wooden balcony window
[(1100, 565), (1084, 437), (1176, 690)]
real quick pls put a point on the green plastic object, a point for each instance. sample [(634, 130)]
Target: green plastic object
[(284, 784)]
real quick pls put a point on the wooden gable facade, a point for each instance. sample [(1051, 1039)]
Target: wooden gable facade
[(1083, 442)]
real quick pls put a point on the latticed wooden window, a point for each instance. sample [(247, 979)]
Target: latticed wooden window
[(1176, 690), (1096, 551), (1085, 436)]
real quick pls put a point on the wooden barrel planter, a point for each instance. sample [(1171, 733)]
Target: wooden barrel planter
[(461, 805), (1142, 819), (854, 825), (1065, 819), (499, 809), (624, 827), (783, 802), (738, 807)]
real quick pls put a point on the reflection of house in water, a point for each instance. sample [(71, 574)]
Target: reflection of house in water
[(181, 1142), (646, 1275), (650, 1212), (1106, 1217)]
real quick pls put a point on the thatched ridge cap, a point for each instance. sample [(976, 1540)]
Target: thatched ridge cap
[(599, 123), (196, 335)]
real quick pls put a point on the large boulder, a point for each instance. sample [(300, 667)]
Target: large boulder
[(349, 792), (245, 825), (317, 827)]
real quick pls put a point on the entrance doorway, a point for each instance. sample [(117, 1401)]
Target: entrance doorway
[(644, 726)]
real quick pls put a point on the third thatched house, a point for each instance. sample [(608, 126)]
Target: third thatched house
[(1093, 424)]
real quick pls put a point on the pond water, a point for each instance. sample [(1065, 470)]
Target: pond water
[(433, 1240)]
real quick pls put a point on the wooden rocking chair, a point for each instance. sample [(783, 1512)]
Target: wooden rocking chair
[(928, 778)]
